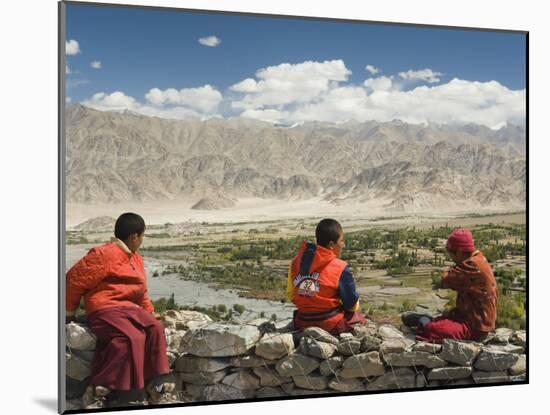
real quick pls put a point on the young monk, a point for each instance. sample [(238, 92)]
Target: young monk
[(321, 285), (131, 348), (472, 277)]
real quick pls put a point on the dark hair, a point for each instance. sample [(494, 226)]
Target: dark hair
[(127, 224), (327, 230)]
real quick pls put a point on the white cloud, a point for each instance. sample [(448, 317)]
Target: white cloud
[(72, 47), (382, 83), (67, 70), (289, 83), (96, 64), (67, 100), (422, 75), (372, 69), (204, 99), (115, 101), (270, 115), (211, 41)]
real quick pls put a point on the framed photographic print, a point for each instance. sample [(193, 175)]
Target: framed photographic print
[(266, 207)]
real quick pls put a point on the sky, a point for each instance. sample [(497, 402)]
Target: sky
[(179, 64)]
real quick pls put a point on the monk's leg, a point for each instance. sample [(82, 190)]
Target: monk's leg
[(444, 328)]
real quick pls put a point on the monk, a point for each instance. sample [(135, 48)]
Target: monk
[(131, 348), (321, 285), (476, 303)]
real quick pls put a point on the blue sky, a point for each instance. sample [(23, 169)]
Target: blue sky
[(137, 50)]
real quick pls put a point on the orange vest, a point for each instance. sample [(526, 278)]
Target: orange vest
[(316, 272)]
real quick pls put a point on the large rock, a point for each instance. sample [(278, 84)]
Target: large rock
[(461, 353), (77, 368), (520, 367), (389, 332), (495, 360), (316, 348), (450, 373), (191, 364), (312, 382), (349, 346), (296, 364), (370, 343), (347, 385), (242, 380), (320, 334), (362, 365), (490, 377), (270, 377), (395, 345), (427, 347), (275, 345), (362, 330), (505, 348), (414, 359), (220, 340), (221, 392), (202, 378), (79, 337), (402, 378), (251, 361), (519, 337), (330, 366), (184, 319), (502, 335)]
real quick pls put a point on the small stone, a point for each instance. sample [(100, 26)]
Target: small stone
[(495, 360), (79, 337), (202, 378), (328, 367), (347, 385), (389, 332), (269, 392), (312, 382), (295, 365), (222, 392), (362, 330), (520, 367), (451, 372), (402, 378), (461, 353), (349, 346), (242, 380), (251, 361), (414, 359), (519, 338), (490, 377), (318, 333), (273, 346), (316, 348), (518, 378), (427, 347), (270, 377), (502, 335), (190, 364), (362, 365)]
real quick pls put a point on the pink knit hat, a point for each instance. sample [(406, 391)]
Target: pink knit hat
[(460, 240)]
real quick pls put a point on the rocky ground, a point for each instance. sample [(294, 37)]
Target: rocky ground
[(211, 361)]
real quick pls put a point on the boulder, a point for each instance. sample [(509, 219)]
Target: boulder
[(296, 364), (77, 368), (242, 380), (450, 373), (461, 353), (184, 319), (349, 346), (318, 333), (312, 382), (329, 367), (389, 332), (270, 377), (362, 365), (346, 385), (402, 378), (520, 367), (362, 330), (202, 378), (220, 340), (370, 343), (519, 338), (190, 364), (79, 337), (395, 345), (414, 359), (251, 361), (490, 377), (502, 335), (273, 346), (494, 360), (316, 348), (427, 347)]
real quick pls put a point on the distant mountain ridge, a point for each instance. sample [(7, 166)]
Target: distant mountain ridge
[(114, 157)]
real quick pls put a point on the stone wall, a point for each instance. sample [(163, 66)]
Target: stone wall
[(214, 361)]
